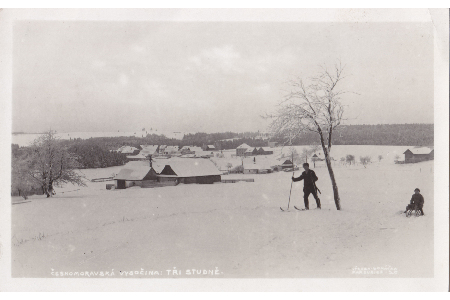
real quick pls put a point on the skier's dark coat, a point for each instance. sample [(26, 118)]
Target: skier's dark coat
[(417, 199), (308, 180)]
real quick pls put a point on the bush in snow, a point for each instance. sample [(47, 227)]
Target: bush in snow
[(365, 160), (350, 158)]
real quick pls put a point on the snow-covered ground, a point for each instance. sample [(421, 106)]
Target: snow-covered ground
[(237, 228)]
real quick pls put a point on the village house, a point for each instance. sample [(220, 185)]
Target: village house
[(171, 150), (256, 169), (265, 151), (146, 152), (209, 148), (287, 164), (134, 176), (149, 149), (251, 152), (240, 151), (187, 171), (190, 150), (418, 154), (128, 150)]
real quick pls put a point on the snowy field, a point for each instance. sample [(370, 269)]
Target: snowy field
[(233, 230)]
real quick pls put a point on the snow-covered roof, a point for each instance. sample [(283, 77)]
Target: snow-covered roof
[(157, 165), (211, 146), (171, 148), (149, 149), (243, 146), (127, 149), (423, 150), (196, 149), (134, 173), (266, 148), (192, 167)]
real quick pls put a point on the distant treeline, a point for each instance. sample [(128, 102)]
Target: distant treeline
[(389, 135), (95, 152)]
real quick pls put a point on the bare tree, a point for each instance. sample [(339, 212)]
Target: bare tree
[(50, 164), (313, 105)]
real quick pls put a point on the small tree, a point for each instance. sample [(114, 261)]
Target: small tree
[(229, 166), (50, 164), (342, 160), (349, 159), (380, 157), (396, 157), (365, 160)]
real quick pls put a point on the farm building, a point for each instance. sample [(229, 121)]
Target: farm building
[(134, 175), (287, 164), (190, 171), (149, 149), (170, 150), (265, 151), (251, 152), (209, 148), (256, 169), (128, 150), (191, 150), (418, 154), (240, 151), (317, 157)]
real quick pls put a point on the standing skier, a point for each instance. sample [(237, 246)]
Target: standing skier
[(309, 187)]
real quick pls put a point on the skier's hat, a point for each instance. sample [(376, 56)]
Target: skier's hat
[(417, 189)]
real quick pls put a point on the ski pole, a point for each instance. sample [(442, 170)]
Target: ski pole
[(291, 188)]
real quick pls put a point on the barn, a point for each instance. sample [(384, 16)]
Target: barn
[(418, 154), (195, 170), (134, 175)]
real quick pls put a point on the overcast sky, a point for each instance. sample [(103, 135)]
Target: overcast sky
[(212, 77)]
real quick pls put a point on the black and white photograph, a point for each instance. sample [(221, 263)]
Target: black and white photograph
[(226, 144)]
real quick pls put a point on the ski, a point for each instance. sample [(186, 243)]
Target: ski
[(299, 208), (283, 209)]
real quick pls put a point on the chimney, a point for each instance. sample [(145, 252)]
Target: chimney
[(150, 159)]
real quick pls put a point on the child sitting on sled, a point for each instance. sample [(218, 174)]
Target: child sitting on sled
[(416, 202)]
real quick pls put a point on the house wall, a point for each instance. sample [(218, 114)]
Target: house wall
[(240, 152)]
